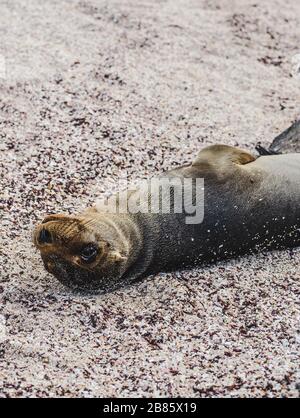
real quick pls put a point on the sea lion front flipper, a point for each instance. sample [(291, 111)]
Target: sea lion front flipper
[(218, 155)]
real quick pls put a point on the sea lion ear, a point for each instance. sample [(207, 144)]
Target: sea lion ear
[(117, 257), (56, 217)]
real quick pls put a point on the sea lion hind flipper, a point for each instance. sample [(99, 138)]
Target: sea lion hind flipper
[(288, 141), (218, 155), (263, 151)]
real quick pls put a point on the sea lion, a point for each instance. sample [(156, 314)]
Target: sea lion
[(250, 204)]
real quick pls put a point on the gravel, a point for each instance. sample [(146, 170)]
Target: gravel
[(91, 90)]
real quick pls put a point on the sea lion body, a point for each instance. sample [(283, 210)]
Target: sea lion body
[(255, 206), (249, 205)]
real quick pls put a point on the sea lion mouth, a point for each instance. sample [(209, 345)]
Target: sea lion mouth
[(67, 274), (78, 279)]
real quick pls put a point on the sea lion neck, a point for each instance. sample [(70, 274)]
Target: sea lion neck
[(122, 232)]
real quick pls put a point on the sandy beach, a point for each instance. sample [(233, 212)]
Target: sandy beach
[(90, 90)]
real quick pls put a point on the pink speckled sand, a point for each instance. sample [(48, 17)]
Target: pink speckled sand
[(94, 88)]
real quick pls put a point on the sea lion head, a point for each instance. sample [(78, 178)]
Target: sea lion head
[(82, 252)]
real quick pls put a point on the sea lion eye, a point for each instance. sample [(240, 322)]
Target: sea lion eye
[(89, 253)]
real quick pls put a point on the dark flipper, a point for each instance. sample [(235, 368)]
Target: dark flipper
[(263, 151), (288, 141)]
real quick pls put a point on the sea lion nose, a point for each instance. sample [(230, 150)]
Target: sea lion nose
[(45, 237)]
